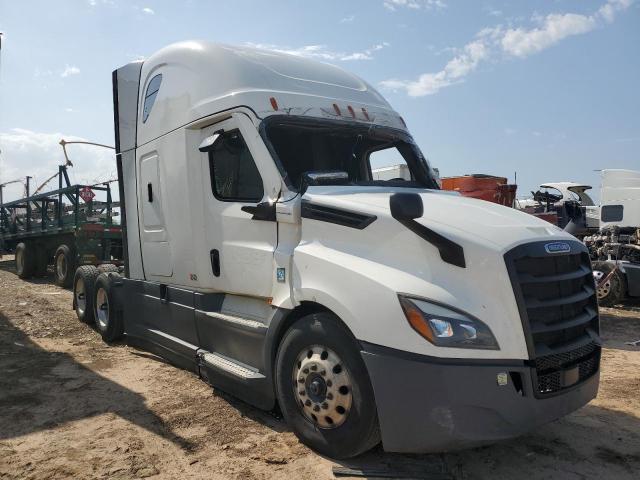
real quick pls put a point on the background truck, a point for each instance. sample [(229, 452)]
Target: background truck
[(615, 248), (66, 227), (263, 254)]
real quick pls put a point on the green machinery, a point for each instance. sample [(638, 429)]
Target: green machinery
[(66, 228)]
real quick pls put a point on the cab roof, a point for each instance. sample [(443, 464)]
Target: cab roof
[(201, 78)]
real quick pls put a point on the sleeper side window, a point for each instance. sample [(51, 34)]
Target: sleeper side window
[(234, 175), (150, 96)]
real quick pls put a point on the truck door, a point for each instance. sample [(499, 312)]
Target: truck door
[(238, 183), (156, 252)]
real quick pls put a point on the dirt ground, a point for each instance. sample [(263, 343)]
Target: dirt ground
[(73, 407)]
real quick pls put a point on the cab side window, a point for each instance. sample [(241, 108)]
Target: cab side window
[(234, 175)]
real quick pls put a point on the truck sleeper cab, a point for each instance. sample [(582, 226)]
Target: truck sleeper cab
[(263, 255)]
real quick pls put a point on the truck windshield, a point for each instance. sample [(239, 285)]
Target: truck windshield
[(304, 145)]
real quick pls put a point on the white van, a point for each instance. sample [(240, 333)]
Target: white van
[(263, 255)]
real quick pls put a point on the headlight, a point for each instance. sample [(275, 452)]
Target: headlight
[(445, 327)]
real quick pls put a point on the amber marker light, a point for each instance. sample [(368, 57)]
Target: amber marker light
[(416, 319)]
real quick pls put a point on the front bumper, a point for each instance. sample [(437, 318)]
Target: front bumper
[(428, 405)]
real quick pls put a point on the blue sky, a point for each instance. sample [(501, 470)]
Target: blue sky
[(549, 90)]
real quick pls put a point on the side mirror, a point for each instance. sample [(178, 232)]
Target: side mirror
[(209, 142), (406, 206), (328, 177)]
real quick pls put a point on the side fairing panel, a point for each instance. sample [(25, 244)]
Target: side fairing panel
[(126, 81), (128, 188)]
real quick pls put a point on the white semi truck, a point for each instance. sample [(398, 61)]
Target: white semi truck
[(262, 254)]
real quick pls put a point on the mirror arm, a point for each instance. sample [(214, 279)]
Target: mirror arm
[(264, 211)]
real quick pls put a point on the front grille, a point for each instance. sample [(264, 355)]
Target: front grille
[(557, 302)]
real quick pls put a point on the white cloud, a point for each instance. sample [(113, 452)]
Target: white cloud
[(148, 11), (348, 19), (414, 4), (521, 42), (68, 110), (70, 70), (453, 72), (38, 154), (608, 10), (93, 3), (513, 42), (321, 52)]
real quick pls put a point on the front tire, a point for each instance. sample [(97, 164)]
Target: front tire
[(64, 263), (323, 388), (107, 314), (611, 291), (26, 261)]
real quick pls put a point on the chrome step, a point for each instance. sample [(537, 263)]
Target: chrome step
[(221, 362)]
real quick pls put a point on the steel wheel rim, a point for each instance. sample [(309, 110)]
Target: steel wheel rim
[(322, 387), (61, 266), (102, 308), (81, 298), (602, 290)]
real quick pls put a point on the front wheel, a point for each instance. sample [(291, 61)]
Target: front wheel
[(323, 388), (610, 283), (25, 260), (64, 266)]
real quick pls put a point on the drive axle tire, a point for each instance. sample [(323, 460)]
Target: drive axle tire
[(613, 290), (26, 261), (107, 314), (84, 284), (323, 388), (64, 266), (107, 267)]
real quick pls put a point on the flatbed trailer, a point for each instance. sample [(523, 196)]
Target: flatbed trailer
[(65, 227)]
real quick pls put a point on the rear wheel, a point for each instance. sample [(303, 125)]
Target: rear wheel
[(108, 318), (610, 284), (323, 388), (64, 266), (83, 291), (107, 267), (26, 261)]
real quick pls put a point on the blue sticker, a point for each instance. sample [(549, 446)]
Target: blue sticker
[(280, 274)]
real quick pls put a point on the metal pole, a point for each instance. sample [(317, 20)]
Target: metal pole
[(60, 168), (1, 210), (109, 219), (76, 207), (28, 205)]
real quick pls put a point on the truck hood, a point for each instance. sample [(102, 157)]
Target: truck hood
[(448, 213)]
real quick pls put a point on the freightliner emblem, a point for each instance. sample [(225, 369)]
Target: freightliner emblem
[(557, 247)]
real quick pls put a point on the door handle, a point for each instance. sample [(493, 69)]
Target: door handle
[(215, 262), (150, 192), (262, 211)]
